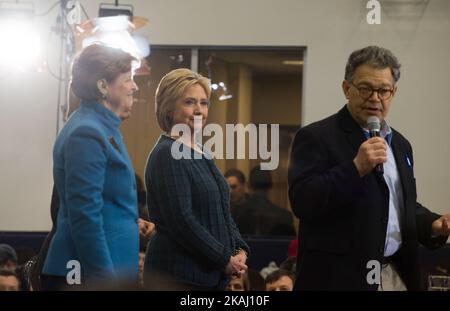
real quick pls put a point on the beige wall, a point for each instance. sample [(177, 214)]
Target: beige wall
[(329, 29)]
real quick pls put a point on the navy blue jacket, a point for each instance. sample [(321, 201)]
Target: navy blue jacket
[(343, 217), (188, 200)]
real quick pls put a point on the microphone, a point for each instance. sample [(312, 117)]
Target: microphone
[(373, 124)]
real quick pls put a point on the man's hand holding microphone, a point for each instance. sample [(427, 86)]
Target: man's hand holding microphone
[(373, 152)]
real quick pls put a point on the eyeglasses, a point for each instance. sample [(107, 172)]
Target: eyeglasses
[(366, 92)]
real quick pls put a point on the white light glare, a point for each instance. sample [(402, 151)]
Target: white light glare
[(221, 90), (20, 43), (113, 31)]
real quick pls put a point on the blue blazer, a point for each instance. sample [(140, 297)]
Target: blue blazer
[(97, 219)]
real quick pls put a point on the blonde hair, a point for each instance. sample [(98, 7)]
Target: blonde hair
[(171, 88)]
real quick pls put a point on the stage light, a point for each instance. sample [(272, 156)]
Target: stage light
[(20, 43), (106, 10), (114, 27)]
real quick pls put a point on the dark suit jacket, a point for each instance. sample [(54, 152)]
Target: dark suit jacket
[(343, 218), (189, 202), (259, 216)]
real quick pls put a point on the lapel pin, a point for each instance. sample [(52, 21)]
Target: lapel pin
[(113, 143), (408, 161)]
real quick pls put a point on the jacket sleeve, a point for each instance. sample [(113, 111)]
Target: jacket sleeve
[(173, 187), (425, 219), (315, 188), (240, 243), (85, 154)]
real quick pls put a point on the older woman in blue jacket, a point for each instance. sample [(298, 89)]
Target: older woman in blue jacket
[(97, 221)]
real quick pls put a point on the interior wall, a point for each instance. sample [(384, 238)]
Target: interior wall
[(277, 99), (330, 30), (28, 104)]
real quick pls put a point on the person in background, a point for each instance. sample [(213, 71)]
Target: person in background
[(239, 283), (8, 258), (24, 254), (280, 280), (94, 178), (238, 194), (258, 215), (290, 264), (238, 187), (9, 281), (197, 245)]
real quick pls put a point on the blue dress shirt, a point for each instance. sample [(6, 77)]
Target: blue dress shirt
[(393, 234)]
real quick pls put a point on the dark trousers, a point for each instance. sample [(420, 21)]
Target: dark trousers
[(154, 280), (179, 286), (56, 283)]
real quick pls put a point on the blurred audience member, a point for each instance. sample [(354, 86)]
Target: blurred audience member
[(289, 264), (8, 281), (293, 248), (238, 188), (8, 258), (258, 215), (256, 281), (239, 283), (238, 194), (280, 280), (271, 267), (24, 254)]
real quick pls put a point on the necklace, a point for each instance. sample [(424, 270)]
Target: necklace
[(177, 138)]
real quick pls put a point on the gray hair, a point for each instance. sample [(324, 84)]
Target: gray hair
[(374, 56)]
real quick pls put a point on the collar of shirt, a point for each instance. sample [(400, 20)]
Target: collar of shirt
[(385, 132)]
